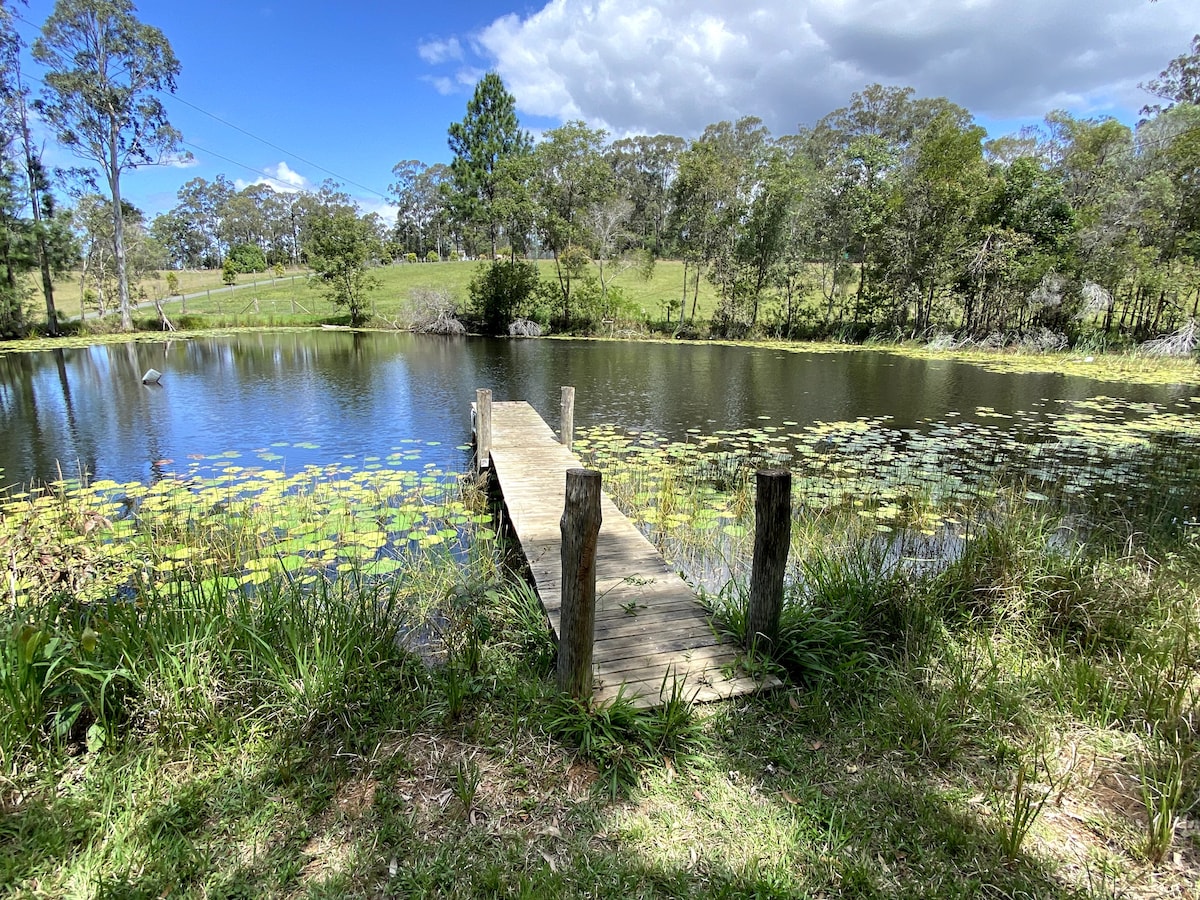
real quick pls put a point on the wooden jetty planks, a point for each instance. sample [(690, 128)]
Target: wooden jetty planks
[(650, 628)]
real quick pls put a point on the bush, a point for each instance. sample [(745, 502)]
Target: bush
[(247, 258), (432, 256), (498, 292)]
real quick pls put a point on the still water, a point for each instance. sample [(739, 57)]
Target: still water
[(296, 398)]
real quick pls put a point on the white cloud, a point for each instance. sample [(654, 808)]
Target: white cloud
[(677, 65), (280, 178), (386, 211), (434, 52)]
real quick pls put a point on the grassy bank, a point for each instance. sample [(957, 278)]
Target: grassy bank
[(328, 684)]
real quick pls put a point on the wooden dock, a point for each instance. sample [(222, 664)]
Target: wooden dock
[(650, 628)]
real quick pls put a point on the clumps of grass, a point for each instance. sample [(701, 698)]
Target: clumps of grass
[(622, 739), (1162, 776), (843, 611)]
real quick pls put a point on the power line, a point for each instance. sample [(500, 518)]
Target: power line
[(238, 128), (248, 168), (262, 140)]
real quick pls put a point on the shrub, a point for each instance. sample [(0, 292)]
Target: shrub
[(498, 292), (247, 258)]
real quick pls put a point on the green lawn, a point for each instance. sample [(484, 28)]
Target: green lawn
[(265, 299)]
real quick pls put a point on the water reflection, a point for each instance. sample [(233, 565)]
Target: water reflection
[(343, 393)]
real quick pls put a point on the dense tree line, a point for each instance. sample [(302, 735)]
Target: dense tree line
[(892, 215)]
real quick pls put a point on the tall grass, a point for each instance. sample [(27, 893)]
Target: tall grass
[(188, 662)]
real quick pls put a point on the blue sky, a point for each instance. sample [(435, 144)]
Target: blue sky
[(348, 89)]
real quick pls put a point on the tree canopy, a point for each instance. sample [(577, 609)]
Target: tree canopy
[(106, 70)]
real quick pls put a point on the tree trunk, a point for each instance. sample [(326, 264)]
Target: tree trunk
[(34, 175), (114, 183)]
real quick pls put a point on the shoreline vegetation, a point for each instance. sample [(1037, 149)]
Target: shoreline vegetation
[(412, 296), (336, 682)]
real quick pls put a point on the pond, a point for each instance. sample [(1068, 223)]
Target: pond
[(285, 400)]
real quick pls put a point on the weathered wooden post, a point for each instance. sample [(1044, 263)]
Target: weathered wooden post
[(577, 616), (566, 433), (772, 537), (483, 428)]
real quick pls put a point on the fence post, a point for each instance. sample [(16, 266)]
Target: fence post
[(772, 537), (580, 527), (566, 434), (483, 428)]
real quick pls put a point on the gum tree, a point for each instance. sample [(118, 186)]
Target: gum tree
[(105, 72), (341, 247)]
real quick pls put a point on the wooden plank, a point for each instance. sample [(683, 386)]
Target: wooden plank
[(649, 627)]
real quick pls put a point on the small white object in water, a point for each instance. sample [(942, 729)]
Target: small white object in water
[(152, 376)]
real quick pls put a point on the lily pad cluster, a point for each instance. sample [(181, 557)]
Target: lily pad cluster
[(236, 526), (1078, 458)]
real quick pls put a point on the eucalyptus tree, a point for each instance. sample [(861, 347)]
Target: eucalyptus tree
[(1025, 230), (106, 71), (710, 197), (1164, 282), (863, 151), (1097, 165), (644, 168), (183, 242), (244, 217), (36, 236), (1179, 82), (927, 234), (739, 156), (99, 276), (571, 179), (421, 215), (14, 252), (488, 136), (342, 247)]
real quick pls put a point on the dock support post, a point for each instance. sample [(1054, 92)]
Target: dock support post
[(567, 425), (772, 538), (577, 616), (483, 428)]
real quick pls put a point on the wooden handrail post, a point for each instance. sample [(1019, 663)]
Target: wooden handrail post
[(772, 538), (566, 434), (483, 428), (577, 616)]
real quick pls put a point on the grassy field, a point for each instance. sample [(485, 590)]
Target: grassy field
[(263, 299)]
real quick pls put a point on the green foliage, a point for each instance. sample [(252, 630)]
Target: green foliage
[(172, 284), (341, 248), (246, 258), (105, 71), (483, 143), (499, 292), (432, 256), (229, 272)]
